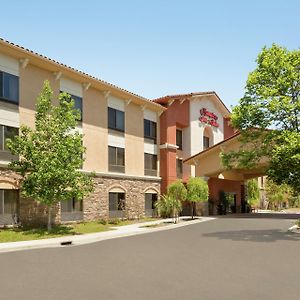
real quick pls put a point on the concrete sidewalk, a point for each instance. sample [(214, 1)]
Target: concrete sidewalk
[(117, 232)]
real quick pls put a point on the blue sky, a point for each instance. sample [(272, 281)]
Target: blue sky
[(155, 48)]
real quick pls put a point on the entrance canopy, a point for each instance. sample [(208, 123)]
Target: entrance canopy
[(208, 162)]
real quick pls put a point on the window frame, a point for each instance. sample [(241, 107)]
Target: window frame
[(154, 198), (75, 99), (152, 130), (116, 115), (179, 143), (3, 137), (2, 88), (74, 209), (121, 200), (115, 166), (14, 207), (152, 160), (206, 142), (179, 167)]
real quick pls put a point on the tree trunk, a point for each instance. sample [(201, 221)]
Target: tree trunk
[(193, 209), (49, 225)]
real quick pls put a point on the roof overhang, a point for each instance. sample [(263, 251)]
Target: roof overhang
[(25, 55), (168, 100), (208, 162)]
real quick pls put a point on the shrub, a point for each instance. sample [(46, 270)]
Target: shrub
[(103, 222), (114, 221)]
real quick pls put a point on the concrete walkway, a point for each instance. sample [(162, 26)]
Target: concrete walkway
[(117, 232)]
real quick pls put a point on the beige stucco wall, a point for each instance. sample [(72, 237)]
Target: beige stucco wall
[(134, 140), (31, 82), (95, 131), (210, 163)]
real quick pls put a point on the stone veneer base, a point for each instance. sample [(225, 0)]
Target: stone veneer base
[(95, 206)]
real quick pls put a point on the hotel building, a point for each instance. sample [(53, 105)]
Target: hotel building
[(120, 130)]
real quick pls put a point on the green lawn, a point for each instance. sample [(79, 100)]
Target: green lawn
[(25, 234)]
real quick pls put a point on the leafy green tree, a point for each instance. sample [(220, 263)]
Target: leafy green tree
[(253, 192), (171, 203), (168, 206), (51, 154), (268, 117), (178, 193), (197, 191), (276, 194)]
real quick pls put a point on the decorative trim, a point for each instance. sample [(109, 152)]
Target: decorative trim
[(57, 75), (170, 102), (106, 94), (86, 86), (151, 188), (182, 100), (24, 62), (127, 102), (122, 176), (168, 146), (117, 186)]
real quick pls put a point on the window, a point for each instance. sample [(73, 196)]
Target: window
[(77, 103), (116, 201), (179, 167), (5, 133), (116, 159), (150, 164), (150, 200), (179, 139), (8, 201), (149, 129), (205, 142), (116, 119), (9, 87), (72, 206)]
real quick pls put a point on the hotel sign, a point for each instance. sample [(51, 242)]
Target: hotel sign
[(208, 117)]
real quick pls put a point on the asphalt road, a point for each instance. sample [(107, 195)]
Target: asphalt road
[(228, 258)]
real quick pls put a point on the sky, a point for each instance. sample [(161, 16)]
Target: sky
[(156, 47)]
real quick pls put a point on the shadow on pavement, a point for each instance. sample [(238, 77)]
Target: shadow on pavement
[(263, 216), (264, 236)]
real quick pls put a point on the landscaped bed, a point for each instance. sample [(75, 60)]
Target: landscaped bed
[(17, 234)]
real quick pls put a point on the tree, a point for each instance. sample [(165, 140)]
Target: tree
[(268, 117), (197, 191), (253, 192), (51, 154), (168, 206), (171, 203), (276, 194), (177, 192)]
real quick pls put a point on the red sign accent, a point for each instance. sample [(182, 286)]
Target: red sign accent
[(208, 117)]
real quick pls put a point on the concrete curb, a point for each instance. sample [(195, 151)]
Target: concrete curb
[(117, 232), (295, 229)]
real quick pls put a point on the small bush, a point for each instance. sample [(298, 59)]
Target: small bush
[(103, 222), (114, 221)]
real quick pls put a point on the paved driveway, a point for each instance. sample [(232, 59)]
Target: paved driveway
[(227, 258)]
